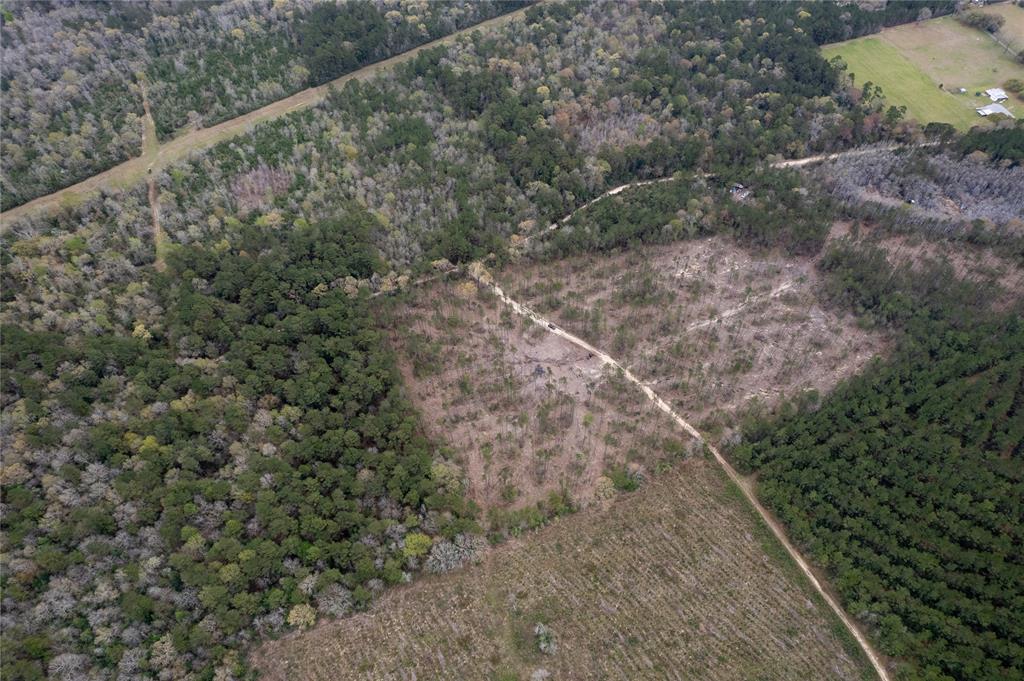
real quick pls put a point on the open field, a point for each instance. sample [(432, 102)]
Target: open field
[(133, 172), (1012, 31), (676, 581), (710, 326), (875, 60), (910, 61)]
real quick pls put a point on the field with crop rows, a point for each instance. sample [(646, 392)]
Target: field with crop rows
[(675, 581)]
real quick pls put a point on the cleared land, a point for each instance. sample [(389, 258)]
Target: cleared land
[(877, 61), (910, 61), (677, 581), (525, 413), (132, 172), (713, 328)]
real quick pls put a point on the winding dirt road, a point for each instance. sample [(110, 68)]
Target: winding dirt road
[(484, 278), (611, 192)]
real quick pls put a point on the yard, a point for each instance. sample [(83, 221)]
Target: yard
[(911, 61)]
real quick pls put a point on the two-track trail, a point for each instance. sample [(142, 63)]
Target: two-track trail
[(484, 278)]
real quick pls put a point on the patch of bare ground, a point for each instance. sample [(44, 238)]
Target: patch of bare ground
[(524, 413), (711, 326), (672, 582)]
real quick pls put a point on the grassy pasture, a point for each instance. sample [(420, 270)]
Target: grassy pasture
[(910, 61), (1013, 29)]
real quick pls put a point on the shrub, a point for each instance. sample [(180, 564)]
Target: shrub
[(982, 21), (416, 544), (622, 479), (302, 616), (545, 639), (448, 555), (334, 601)]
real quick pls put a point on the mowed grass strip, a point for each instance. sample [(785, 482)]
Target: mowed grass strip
[(678, 580), (874, 59)]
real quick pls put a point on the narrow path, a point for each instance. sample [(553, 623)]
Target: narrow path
[(789, 163), (807, 160), (484, 278), (860, 151), (150, 143), (150, 149), (728, 314), (611, 192), (159, 237), (774, 293), (131, 172)]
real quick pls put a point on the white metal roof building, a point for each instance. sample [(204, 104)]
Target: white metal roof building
[(996, 94), (990, 109)]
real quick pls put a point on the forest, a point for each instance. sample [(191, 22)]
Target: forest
[(203, 455), (527, 125), (207, 67), (248, 464), (906, 483), (76, 70), (777, 214)]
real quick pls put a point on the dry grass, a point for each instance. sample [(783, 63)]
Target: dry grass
[(672, 582), (1014, 26), (953, 54), (711, 327), (525, 413)]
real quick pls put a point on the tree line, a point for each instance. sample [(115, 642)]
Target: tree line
[(906, 483)]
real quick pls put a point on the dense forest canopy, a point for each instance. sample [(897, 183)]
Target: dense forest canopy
[(246, 460), (906, 484), (77, 70), (530, 121)]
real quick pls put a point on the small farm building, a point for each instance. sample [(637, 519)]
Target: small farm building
[(990, 109), (996, 94)]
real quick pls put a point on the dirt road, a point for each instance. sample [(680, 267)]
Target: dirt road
[(860, 151), (807, 160), (132, 172), (159, 237), (611, 192), (484, 278)]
